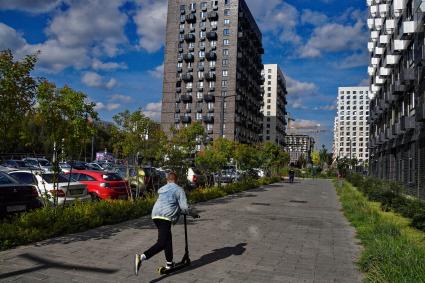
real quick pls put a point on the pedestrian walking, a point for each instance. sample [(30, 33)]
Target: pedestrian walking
[(171, 203)]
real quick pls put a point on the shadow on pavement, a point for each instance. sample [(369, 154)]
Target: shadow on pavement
[(46, 264), (215, 255)]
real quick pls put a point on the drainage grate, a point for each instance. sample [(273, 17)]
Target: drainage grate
[(298, 201), (261, 203)]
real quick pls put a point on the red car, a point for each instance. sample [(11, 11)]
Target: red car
[(102, 185)]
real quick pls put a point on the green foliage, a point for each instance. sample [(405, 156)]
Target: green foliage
[(49, 222), (17, 97), (391, 197), (393, 252), (272, 157)]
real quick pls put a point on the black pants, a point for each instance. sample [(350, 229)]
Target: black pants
[(165, 241)]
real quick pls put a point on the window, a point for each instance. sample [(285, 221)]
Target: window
[(203, 5), (225, 62), (225, 73), (227, 12), (213, 43), (224, 93), (202, 24), (226, 2), (202, 44), (226, 42), (226, 52), (202, 34), (224, 83), (226, 31), (226, 22), (192, 6), (201, 54)]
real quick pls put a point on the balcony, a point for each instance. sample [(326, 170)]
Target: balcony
[(208, 119), (375, 61), (211, 56), (209, 98), (177, 120), (384, 39), (186, 119), (392, 59), (407, 29), (213, 16), (389, 26), (186, 98), (212, 35), (384, 71), (379, 50), (371, 23), (400, 45), (188, 57), (210, 76), (190, 37), (191, 18), (187, 77)]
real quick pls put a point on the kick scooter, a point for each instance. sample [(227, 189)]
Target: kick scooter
[(185, 260)]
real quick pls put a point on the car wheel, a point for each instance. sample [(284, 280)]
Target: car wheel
[(94, 197)]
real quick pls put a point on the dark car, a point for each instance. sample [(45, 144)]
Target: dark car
[(15, 197), (78, 165), (17, 164)]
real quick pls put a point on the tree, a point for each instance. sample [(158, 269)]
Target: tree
[(271, 157), (315, 157), (210, 161), (17, 96), (301, 162), (181, 149), (247, 157)]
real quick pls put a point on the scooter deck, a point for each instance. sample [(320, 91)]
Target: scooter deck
[(164, 271)]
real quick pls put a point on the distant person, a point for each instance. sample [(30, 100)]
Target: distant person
[(291, 174), (171, 203)]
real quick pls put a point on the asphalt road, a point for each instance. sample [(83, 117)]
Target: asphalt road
[(278, 233)]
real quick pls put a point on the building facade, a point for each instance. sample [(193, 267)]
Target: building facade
[(351, 128), (212, 69), (397, 73), (299, 146), (274, 107)]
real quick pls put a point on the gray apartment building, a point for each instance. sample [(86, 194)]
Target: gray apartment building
[(212, 69), (397, 70), (274, 108), (299, 145)]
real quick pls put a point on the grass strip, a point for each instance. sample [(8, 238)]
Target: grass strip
[(393, 251), (48, 222)]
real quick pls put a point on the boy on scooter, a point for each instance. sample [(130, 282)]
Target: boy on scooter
[(170, 204)]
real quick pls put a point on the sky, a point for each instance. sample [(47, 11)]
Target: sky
[(114, 50)]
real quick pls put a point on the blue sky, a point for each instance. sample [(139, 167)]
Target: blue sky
[(113, 50)]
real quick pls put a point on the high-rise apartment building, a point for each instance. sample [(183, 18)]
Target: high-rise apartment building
[(397, 60), (351, 129), (274, 107), (212, 69)]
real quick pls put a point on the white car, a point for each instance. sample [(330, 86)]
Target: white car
[(65, 193)]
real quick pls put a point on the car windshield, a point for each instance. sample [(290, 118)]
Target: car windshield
[(6, 179), (44, 162), (111, 177), (20, 163), (64, 165), (31, 162), (49, 178)]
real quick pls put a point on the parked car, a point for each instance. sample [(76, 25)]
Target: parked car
[(66, 192), (15, 197), (6, 169), (227, 176), (195, 178), (94, 166), (64, 166), (40, 163), (102, 185), (16, 164), (78, 165)]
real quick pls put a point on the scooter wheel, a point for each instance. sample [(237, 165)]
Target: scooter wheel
[(160, 270)]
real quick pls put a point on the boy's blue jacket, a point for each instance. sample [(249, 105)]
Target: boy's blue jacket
[(170, 204)]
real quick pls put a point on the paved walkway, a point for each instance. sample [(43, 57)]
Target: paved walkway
[(279, 233)]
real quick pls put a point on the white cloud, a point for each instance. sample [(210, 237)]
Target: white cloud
[(120, 98), (93, 79), (313, 17), (334, 37), (357, 59), (151, 22), (111, 83), (326, 107), (31, 6), (107, 66), (277, 17), (153, 111), (108, 106), (298, 88), (305, 124), (158, 72)]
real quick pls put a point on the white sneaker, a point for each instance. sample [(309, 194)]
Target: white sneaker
[(137, 263)]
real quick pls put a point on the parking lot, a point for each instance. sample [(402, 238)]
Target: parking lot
[(278, 233)]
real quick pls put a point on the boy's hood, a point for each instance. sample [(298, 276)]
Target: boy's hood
[(167, 187)]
